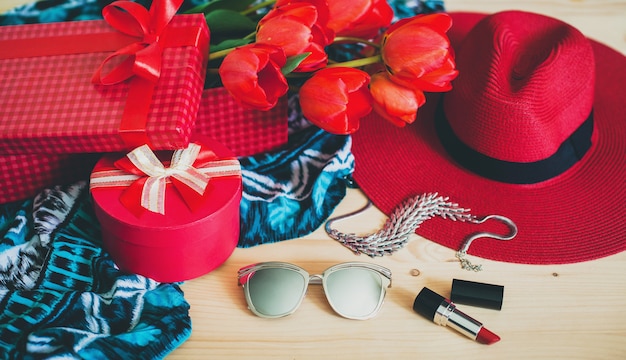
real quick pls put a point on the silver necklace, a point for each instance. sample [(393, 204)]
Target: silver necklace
[(406, 218)]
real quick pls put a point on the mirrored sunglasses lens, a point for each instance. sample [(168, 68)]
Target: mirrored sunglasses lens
[(275, 292), (354, 292)]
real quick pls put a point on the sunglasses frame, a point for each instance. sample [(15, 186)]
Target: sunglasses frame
[(244, 274)]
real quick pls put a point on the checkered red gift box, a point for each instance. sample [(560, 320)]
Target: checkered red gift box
[(48, 103), (54, 120), (244, 131), (24, 176)]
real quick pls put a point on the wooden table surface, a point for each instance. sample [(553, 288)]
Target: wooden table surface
[(573, 311)]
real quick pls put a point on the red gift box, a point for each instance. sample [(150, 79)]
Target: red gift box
[(194, 234), (244, 131), (148, 89), (24, 176)]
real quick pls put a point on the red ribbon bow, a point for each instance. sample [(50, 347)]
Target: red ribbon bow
[(142, 58)]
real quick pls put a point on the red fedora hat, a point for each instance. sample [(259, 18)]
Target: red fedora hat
[(534, 129)]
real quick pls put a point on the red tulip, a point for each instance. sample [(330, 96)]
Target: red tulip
[(336, 98), (252, 75), (394, 102), (359, 18), (321, 6), (297, 28), (417, 53)]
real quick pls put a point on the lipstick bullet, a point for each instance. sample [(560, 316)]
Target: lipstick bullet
[(444, 312)]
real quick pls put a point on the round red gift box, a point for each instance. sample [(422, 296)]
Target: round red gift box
[(181, 244)]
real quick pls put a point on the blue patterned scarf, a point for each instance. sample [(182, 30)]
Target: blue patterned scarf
[(62, 296)]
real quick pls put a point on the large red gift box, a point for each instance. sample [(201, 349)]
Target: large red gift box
[(24, 176), (49, 102), (243, 130), (156, 225)]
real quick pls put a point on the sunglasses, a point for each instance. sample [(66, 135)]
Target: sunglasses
[(354, 290)]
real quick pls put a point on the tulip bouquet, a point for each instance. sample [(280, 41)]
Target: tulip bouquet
[(261, 50)]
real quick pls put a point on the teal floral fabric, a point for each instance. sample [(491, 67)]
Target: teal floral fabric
[(61, 295), (288, 193)]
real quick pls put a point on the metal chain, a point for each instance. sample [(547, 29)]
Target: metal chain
[(465, 263), (403, 222)]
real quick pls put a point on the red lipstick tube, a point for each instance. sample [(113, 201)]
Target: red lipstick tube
[(443, 312)]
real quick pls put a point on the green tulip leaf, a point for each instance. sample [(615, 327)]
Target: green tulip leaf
[(229, 22), (229, 44), (210, 6), (293, 62)]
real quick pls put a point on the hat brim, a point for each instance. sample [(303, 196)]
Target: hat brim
[(575, 217)]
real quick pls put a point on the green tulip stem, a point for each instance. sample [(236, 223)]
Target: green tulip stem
[(350, 39), (220, 54), (250, 36), (358, 62)]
